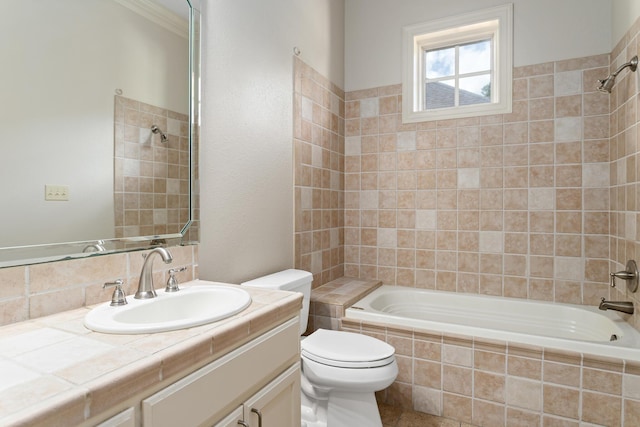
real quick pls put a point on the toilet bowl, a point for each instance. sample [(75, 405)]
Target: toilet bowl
[(341, 371)]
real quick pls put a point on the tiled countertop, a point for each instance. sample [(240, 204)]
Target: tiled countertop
[(54, 371), (329, 301), (344, 291)]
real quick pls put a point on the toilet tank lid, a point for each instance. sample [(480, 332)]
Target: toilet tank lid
[(284, 280)]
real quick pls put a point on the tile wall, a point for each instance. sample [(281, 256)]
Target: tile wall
[(319, 174), (151, 177), (494, 383), (513, 205), (625, 160), (32, 291)]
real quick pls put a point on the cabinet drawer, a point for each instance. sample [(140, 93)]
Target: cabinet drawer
[(223, 384)]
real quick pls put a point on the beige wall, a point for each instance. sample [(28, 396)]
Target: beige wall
[(623, 14), (247, 132), (544, 31)]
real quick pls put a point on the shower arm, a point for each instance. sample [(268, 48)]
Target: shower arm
[(633, 64)]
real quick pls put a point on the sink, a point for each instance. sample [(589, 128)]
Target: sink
[(196, 303)]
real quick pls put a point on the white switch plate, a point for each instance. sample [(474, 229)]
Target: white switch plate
[(56, 192)]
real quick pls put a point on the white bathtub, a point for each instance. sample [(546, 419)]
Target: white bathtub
[(561, 326)]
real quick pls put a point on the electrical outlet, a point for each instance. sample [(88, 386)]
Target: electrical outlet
[(56, 192)]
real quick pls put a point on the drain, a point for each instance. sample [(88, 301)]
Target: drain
[(614, 337)]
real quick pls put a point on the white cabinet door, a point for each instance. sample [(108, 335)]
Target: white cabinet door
[(275, 405), (278, 403), (204, 396), (231, 420), (126, 418)]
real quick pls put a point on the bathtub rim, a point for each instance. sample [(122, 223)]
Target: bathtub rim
[(627, 348)]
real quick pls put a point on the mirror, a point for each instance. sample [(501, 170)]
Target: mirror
[(84, 83)]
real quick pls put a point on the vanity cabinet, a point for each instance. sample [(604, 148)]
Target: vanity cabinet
[(263, 374), (276, 405), (126, 418)]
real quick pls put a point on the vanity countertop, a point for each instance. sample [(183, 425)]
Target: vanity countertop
[(54, 371)]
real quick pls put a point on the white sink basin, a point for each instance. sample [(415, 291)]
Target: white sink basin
[(196, 303)]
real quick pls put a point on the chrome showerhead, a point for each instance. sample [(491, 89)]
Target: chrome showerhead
[(163, 136), (607, 84)]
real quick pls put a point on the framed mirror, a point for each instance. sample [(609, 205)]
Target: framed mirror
[(99, 127)]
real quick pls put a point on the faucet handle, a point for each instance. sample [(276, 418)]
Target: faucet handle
[(630, 274), (172, 283), (118, 298)]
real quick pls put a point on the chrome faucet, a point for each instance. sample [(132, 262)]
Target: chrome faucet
[(145, 284), (630, 274), (96, 247), (623, 306)]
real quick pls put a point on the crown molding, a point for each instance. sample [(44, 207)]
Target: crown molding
[(159, 15)]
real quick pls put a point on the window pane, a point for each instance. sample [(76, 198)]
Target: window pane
[(440, 63), (475, 57), (475, 90), (440, 94)]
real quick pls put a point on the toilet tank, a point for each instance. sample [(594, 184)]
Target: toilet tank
[(289, 280)]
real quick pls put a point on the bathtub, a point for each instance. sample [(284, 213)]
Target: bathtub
[(549, 325)]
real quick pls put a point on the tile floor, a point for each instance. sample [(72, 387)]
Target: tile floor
[(394, 416)]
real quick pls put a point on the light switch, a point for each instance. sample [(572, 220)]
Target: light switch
[(56, 192)]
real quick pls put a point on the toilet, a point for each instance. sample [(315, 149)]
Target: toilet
[(341, 371)]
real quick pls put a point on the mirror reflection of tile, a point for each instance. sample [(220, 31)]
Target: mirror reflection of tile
[(151, 188)]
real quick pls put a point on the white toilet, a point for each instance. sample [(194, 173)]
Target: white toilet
[(340, 370)]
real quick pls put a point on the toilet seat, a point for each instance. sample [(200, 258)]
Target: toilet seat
[(346, 349)]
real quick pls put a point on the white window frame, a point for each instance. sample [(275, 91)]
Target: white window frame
[(496, 24)]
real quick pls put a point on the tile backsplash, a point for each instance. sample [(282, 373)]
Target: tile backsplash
[(42, 289)]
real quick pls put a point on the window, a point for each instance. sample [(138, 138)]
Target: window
[(458, 67)]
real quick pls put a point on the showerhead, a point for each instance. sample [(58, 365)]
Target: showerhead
[(163, 136), (607, 84)]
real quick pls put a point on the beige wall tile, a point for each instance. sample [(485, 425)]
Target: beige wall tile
[(561, 401), (523, 393), (457, 407), (457, 380), (520, 418), (601, 409)]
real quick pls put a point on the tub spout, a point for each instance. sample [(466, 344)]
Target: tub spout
[(622, 306)]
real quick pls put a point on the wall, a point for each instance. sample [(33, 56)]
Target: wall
[(247, 127), (513, 205), (373, 37), (624, 14), (319, 174), (624, 151)]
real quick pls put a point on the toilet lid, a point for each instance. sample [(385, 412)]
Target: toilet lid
[(346, 349)]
